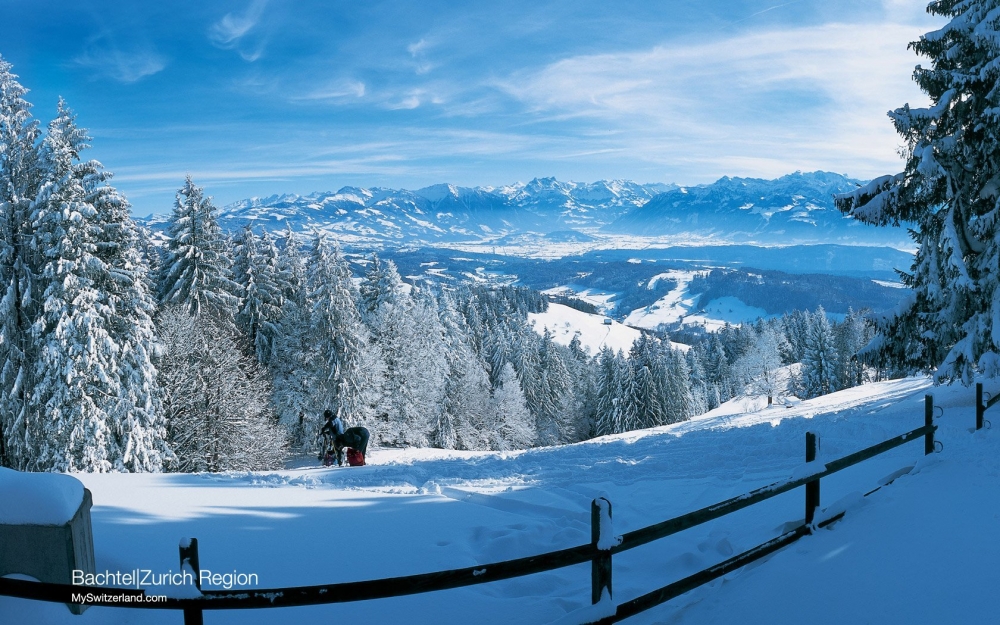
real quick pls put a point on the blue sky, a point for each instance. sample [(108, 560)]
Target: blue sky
[(272, 96)]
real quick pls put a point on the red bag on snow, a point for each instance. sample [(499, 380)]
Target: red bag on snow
[(355, 458)]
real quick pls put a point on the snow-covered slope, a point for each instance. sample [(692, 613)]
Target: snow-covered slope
[(595, 331), (918, 551), (564, 322)]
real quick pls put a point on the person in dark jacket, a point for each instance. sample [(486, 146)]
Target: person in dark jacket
[(332, 428)]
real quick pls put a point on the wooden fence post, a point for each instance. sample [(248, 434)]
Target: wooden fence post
[(929, 423), (600, 567), (812, 488), (189, 556), (980, 408)]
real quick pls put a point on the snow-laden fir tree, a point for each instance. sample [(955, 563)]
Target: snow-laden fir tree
[(467, 404), (261, 294), (699, 385), (850, 337), (244, 246), (820, 361), (341, 365), (718, 371), (513, 426), (648, 383), (292, 366), (19, 180), (613, 412), (582, 397), (94, 403), (409, 339), (796, 331), (196, 271), (426, 366), (553, 414), (677, 389), (950, 190), (66, 427)]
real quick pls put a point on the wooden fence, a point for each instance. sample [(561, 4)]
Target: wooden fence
[(599, 552)]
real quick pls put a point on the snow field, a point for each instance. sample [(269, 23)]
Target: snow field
[(564, 322), (421, 510)]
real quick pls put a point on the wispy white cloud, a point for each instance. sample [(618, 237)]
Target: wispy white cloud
[(123, 65), (337, 90), (418, 52), (229, 32), (416, 48), (762, 103)]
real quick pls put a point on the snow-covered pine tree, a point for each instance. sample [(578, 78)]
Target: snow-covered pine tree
[(582, 398), (950, 191), (819, 363), (513, 427), (426, 366), (94, 403), (466, 409), (553, 417), (94, 263), (196, 270), (850, 336), (718, 370), (244, 245), (796, 332), (67, 429), (261, 294), (340, 362), (676, 389), (409, 338), (292, 367), (616, 411), (138, 424), (648, 380), (19, 180), (698, 383)]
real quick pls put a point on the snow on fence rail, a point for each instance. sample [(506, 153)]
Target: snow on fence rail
[(604, 544)]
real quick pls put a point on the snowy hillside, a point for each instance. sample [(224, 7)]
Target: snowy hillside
[(680, 305), (595, 331), (564, 323), (419, 510)]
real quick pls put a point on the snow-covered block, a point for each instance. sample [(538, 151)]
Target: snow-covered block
[(606, 538), (791, 401), (45, 529)]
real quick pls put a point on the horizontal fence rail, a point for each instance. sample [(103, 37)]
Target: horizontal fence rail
[(599, 551), (636, 538), (314, 595)]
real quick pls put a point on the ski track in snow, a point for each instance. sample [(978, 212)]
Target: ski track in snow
[(421, 510)]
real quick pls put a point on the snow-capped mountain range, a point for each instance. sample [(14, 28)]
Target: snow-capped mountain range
[(797, 208)]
